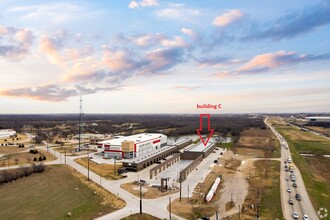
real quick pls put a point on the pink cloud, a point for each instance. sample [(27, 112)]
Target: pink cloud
[(186, 88), (228, 18)]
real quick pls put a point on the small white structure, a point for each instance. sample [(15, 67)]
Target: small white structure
[(6, 133), (213, 189)]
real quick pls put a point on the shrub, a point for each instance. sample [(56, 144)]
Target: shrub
[(24, 171), (34, 159), (40, 158), (44, 157), (33, 151)]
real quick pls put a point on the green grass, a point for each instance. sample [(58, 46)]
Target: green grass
[(226, 145), (270, 205), (50, 195), (314, 170), (277, 145)]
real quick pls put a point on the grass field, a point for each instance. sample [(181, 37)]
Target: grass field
[(267, 183), (315, 170), (105, 170), (53, 194), (22, 158), (21, 137), (11, 149), (320, 129), (255, 142), (139, 216)]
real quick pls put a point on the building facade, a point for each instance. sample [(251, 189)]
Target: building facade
[(131, 146)]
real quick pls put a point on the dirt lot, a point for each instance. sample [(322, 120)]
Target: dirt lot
[(196, 206), (105, 170), (21, 158), (148, 192)]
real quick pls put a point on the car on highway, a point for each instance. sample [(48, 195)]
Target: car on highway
[(294, 185), (306, 217), (289, 190), (295, 215), (290, 201), (298, 197)]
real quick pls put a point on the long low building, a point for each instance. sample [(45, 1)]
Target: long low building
[(6, 133), (131, 146), (143, 161), (196, 150)]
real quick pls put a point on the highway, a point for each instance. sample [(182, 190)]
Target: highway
[(305, 205)]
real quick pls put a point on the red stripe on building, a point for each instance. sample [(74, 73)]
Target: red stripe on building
[(113, 151), (134, 148), (156, 141)]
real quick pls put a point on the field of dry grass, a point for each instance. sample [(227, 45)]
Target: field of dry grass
[(148, 191), (105, 170), (22, 158), (11, 149), (54, 193), (319, 129), (21, 137), (255, 142)]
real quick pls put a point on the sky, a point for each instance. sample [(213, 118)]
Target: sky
[(157, 56)]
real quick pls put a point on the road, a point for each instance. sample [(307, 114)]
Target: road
[(305, 205)]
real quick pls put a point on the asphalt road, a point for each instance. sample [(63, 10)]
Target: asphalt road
[(305, 205)]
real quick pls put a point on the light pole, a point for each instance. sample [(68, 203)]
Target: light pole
[(114, 168), (180, 187), (140, 198), (169, 208), (65, 155), (88, 162), (188, 192)]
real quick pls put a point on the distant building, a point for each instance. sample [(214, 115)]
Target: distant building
[(318, 118), (131, 146), (7, 133)]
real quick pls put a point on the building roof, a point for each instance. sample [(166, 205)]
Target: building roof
[(137, 138), (200, 147)]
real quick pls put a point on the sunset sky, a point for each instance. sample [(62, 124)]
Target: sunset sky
[(155, 56)]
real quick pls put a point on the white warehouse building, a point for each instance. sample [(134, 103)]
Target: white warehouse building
[(131, 146), (6, 133)]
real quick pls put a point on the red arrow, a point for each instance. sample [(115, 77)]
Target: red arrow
[(208, 128)]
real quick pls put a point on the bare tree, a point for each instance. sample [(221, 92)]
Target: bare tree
[(16, 160)]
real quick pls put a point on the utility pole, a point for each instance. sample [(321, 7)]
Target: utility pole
[(140, 198), (80, 121), (239, 211), (188, 192), (65, 155)]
